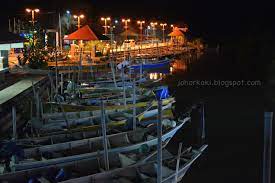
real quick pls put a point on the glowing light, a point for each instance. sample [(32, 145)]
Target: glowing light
[(126, 20), (36, 10), (68, 12), (28, 10), (171, 69), (81, 16), (75, 16), (140, 22)]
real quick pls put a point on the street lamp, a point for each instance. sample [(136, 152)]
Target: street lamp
[(140, 27), (153, 25), (163, 30), (105, 19), (172, 26), (32, 11), (126, 21), (78, 17)]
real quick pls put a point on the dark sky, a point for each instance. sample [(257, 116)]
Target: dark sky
[(207, 18)]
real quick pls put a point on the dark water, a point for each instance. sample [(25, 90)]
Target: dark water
[(234, 121)]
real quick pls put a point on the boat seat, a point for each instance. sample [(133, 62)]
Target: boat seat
[(137, 136), (114, 161), (127, 173), (119, 141), (125, 161)]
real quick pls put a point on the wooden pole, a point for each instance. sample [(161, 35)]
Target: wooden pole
[(123, 82), (104, 136), (159, 133), (61, 83), (31, 115), (134, 105), (37, 105), (60, 33), (113, 73), (41, 107), (267, 147), (56, 71), (178, 162), (14, 135), (140, 73), (202, 122)]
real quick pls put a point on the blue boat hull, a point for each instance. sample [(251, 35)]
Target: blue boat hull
[(159, 64)]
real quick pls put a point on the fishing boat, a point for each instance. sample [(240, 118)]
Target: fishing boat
[(82, 171), (74, 108), (173, 169), (92, 147)]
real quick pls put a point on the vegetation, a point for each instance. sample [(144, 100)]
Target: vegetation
[(34, 53)]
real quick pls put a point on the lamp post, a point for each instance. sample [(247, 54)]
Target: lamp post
[(172, 26), (32, 11), (163, 31), (140, 28), (153, 25), (78, 17), (126, 21), (105, 19)]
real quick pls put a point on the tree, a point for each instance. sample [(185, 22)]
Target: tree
[(34, 53)]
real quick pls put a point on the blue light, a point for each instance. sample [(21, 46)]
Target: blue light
[(116, 21), (68, 12)]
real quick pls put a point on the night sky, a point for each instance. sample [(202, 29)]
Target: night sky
[(211, 19)]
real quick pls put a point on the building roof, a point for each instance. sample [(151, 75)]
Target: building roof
[(84, 33), (176, 33)]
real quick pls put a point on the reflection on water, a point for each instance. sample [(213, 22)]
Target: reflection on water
[(155, 75), (178, 65)]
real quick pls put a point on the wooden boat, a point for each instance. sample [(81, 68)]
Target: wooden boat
[(147, 171), (70, 121), (57, 125), (90, 148), (124, 167), (145, 111), (90, 131), (81, 168), (76, 134), (150, 64), (74, 108)]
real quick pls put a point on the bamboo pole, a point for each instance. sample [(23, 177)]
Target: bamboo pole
[(159, 133), (202, 122), (267, 147), (61, 84), (104, 135), (14, 134), (178, 162), (134, 105), (37, 105), (113, 73), (124, 89), (56, 71), (140, 73)]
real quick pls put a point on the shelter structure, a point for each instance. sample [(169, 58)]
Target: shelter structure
[(177, 36), (85, 34)]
